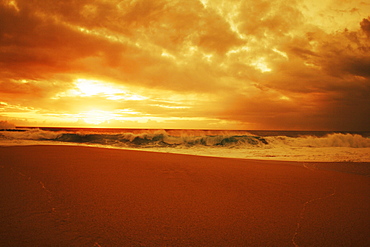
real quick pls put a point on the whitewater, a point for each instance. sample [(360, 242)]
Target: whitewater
[(269, 145)]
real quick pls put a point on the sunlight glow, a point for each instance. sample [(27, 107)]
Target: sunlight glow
[(171, 107), (23, 81), (168, 55), (204, 3), (261, 65), (283, 54), (238, 50), (12, 4), (88, 88), (311, 65), (207, 57), (96, 116), (285, 98)]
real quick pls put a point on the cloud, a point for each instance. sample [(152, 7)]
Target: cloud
[(326, 80), (6, 125), (264, 64)]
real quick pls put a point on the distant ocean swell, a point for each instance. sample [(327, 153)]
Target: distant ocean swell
[(162, 138)]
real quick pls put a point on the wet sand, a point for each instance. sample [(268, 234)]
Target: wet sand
[(81, 196)]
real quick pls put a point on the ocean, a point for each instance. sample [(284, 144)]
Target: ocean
[(326, 146)]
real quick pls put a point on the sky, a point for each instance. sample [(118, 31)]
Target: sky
[(200, 64)]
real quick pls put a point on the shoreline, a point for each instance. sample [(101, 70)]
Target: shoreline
[(86, 196)]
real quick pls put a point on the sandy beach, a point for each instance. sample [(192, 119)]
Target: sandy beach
[(82, 196)]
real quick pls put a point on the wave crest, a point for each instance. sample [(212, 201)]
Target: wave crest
[(161, 139)]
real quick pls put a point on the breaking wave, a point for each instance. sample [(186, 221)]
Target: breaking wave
[(142, 140), (173, 138)]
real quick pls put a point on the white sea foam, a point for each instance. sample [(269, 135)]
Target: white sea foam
[(328, 154)]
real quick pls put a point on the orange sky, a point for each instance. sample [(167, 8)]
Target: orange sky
[(223, 64)]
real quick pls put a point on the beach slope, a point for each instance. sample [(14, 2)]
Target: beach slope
[(82, 196)]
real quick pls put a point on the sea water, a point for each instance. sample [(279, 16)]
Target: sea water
[(274, 145)]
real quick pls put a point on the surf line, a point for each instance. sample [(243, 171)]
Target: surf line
[(301, 215)]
